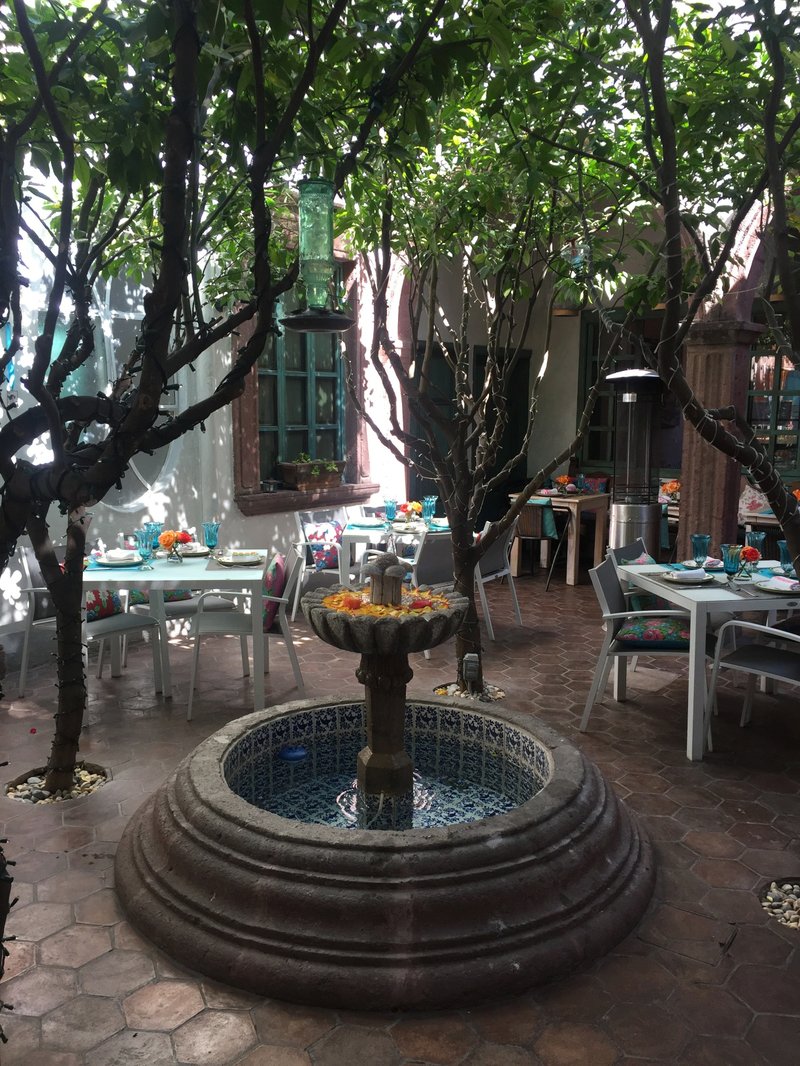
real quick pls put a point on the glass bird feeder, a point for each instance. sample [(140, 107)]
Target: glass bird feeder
[(320, 314)]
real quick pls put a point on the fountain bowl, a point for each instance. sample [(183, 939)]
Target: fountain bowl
[(385, 919)]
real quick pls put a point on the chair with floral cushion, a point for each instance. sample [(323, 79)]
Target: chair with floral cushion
[(280, 580), (105, 618), (631, 632)]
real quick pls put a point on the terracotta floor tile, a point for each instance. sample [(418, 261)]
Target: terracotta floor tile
[(498, 1055), (72, 885), (350, 1044), (649, 1031), (133, 1048), (759, 946), (512, 1022), (266, 1055), (436, 1039), (285, 1023), (712, 1051), (66, 839), (116, 973), (101, 908), (74, 946), (214, 1037), (770, 1035), (575, 1045), (38, 991), (21, 957), (82, 1024), (765, 989), (637, 980), (713, 845), (24, 1037), (162, 1005), (38, 920), (710, 1012)]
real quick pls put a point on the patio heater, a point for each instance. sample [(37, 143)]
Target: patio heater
[(321, 314), (635, 510)]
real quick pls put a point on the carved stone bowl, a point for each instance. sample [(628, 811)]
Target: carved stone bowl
[(387, 635)]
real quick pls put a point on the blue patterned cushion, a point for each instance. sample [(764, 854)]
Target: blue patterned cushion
[(324, 538), (136, 596), (657, 633)]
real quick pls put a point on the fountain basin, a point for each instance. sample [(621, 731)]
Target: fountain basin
[(378, 919)]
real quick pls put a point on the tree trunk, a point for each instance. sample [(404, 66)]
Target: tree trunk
[(67, 592), (468, 638)]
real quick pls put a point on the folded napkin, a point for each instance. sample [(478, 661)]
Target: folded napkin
[(782, 584), (690, 577), (549, 492), (192, 546), (122, 555)]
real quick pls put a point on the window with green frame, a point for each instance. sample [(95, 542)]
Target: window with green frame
[(598, 446), (300, 398), (773, 406)]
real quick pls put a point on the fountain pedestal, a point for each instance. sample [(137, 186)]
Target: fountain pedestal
[(385, 772)]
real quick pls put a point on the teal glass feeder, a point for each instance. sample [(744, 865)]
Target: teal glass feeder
[(321, 314)]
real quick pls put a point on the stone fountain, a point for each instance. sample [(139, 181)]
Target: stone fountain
[(529, 868)]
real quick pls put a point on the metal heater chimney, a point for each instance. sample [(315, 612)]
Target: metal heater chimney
[(635, 510)]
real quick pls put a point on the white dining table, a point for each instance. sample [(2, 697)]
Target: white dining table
[(355, 533), (701, 601), (193, 573)]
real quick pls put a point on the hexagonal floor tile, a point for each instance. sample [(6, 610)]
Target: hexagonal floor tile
[(214, 1037), (82, 1024), (163, 1005)]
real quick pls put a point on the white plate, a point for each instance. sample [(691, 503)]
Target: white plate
[(676, 578), (764, 586), (690, 564), (439, 523), (409, 527), (367, 523), (194, 552), (241, 559), (103, 560)]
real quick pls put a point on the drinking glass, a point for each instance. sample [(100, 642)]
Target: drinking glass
[(580, 481), (429, 507), (786, 560), (730, 559), (144, 543), (756, 540), (700, 546), (155, 530), (390, 510), (211, 535)]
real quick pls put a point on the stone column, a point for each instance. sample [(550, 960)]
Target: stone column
[(717, 365)]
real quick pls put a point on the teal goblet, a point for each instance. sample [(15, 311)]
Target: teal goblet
[(731, 561), (144, 544)]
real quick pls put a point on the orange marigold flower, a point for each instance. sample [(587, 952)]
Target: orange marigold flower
[(167, 539), (796, 493), (563, 479)]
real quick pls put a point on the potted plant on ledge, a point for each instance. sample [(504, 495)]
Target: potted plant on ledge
[(305, 473)]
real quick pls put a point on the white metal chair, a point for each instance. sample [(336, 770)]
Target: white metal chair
[(239, 623), (759, 658), (41, 613), (617, 613), (311, 577), (495, 566)]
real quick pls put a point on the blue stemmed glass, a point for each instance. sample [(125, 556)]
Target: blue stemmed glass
[(730, 559), (144, 543), (155, 532), (211, 534), (786, 560), (390, 510), (700, 546), (429, 507)]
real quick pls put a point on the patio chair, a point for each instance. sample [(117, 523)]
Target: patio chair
[(320, 533), (537, 522), (496, 566), (761, 657), (278, 594), (631, 632), (111, 622)]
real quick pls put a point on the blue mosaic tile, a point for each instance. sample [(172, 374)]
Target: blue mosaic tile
[(472, 726), (351, 716), (467, 779), (494, 733)]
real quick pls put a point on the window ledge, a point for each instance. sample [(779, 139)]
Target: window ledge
[(284, 500)]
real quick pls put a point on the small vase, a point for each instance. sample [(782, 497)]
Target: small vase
[(174, 556)]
